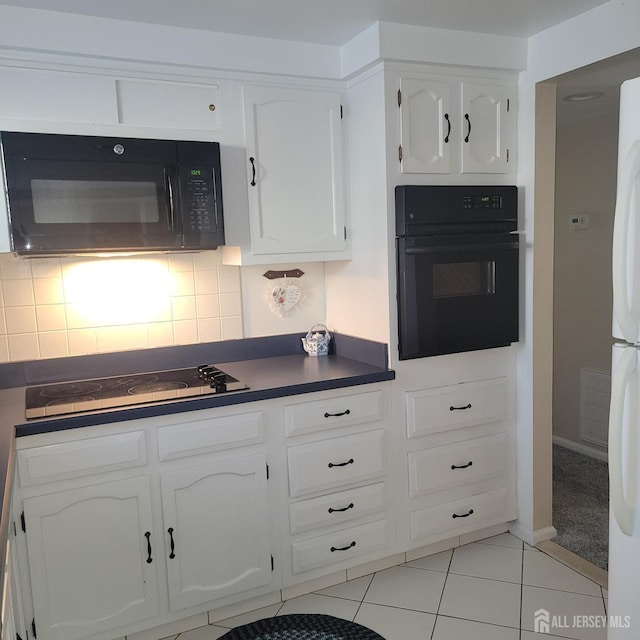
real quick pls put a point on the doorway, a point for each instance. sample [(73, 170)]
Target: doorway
[(583, 179)]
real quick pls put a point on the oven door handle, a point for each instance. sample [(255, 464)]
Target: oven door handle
[(416, 251)]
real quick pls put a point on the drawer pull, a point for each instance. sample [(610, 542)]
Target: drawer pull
[(337, 415), (340, 464), (464, 515), (147, 535), (353, 544), (332, 510), (462, 466), (467, 406), (172, 555)]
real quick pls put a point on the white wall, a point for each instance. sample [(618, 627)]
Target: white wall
[(586, 161)]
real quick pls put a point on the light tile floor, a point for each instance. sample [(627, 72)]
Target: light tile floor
[(488, 590)]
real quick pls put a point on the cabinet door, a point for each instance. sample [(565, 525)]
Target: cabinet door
[(484, 128), (216, 530), (169, 104), (57, 96), (425, 126), (295, 177), (91, 558)]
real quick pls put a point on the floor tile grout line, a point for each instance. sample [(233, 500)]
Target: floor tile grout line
[(444, 586), (364, 595)]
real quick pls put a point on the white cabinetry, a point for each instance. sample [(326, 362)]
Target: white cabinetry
[(216, 521), (460, 458), (337, 459), (57, 96), (129, 526), (294, 174), (177, 105), (456, 127), (92, 553)]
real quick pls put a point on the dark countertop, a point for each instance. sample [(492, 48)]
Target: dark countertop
[(269, 375), (267, 378)]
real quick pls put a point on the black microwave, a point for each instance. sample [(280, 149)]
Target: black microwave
[(70, 194)]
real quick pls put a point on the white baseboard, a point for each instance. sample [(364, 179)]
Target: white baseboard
[(532, 537), (598, 454)]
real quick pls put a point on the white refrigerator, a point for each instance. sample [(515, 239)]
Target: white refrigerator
[(624, 417)]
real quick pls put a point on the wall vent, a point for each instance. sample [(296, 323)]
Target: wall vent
[(595, 395)]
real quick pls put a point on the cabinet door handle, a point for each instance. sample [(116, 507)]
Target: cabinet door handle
[(353, 544), (147, 535), (332, 510), (337, 415), (464, 515), (466, 406), (340, 464), (172, 555), (446, 117), (462, 466), (466, 117), (253, 171)]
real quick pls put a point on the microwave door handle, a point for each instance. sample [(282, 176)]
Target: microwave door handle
[(170, 199)]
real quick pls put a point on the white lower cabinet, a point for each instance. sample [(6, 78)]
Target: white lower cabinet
[(460, 459), (340, 511), (163, 528), (92, 558), (216, 525)]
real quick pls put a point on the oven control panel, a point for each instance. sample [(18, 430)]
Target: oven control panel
[(198, 192), (482, 202)]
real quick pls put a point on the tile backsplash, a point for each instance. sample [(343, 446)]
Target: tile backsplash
[(54, 307)]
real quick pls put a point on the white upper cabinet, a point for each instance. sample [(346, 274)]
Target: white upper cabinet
[(294, 172), (425, 126), (449, 126), (57, 96), (169, 104), (485, 143)]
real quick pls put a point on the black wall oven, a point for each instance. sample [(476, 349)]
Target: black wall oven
[(457, 265)]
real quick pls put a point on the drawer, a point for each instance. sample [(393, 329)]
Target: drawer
[(340, 411), (467, 512), (340, 546), (460, 405), (81, 458), (335, 462), (470, 461), (337, 508), (212, 434)]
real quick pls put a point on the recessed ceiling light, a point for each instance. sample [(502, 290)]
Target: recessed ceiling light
[(584, 97)]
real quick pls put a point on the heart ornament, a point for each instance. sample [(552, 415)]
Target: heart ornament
[(285, 297)]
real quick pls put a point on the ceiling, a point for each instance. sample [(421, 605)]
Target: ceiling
[(332, 22)]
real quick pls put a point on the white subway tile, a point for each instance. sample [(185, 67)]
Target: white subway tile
[(182, 284), (185, 332), (20, 320), (48, 291), (4, 349), (181, 262), (160, 334), (82, 342), (12, 267), (208, 306), (232, 328), (183, 308), (23, 346), (17, 293), (229, 279), (209, 329), (46, 268), (206, 260), (51, 317), (206, 282), (230, 304), (53, 344)]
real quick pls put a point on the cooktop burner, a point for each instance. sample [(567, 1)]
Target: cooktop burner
[(119, 391)]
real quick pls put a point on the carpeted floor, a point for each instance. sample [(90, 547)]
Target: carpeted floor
[(581, 505)]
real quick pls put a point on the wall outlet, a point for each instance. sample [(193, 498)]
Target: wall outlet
[(579, 221)]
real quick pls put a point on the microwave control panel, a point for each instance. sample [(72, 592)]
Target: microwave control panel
[(199, 199)]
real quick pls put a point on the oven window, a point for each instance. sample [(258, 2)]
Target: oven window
[(94, 201), (456, 279)]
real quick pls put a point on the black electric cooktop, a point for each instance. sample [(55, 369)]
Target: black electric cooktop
[(119, 391)]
